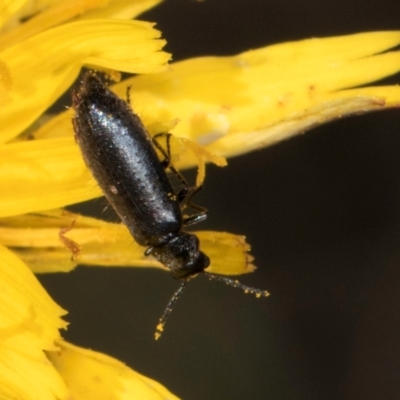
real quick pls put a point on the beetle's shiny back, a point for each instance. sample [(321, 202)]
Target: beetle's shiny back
[(120, 154)]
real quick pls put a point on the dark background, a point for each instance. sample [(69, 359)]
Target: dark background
[(322, 213)]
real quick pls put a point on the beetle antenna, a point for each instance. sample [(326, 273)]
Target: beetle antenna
[(175, 297), (168, 309), (236, 284)]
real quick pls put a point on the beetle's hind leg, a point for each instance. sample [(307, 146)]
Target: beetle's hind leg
[(186, 202), (185, 195)]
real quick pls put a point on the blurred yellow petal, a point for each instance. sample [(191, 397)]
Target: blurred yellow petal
[(57, 13), (28, 8), (55, 57), (8, 9), (29, 324), (64, 10), (124, 9), (40, 175), (36, 239), (102, 377), (5, 84)]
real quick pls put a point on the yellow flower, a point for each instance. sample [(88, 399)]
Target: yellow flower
[(258, 98), (39, 60)]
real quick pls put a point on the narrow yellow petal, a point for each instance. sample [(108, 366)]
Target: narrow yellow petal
[(55, 57), (99, 376), (228, 253), (241, 142), (29, 324), (36, 238), (389, 95)]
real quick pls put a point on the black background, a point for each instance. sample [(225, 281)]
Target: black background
[(322, 213)]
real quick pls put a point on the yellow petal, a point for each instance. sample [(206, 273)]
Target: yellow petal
[(124, 9), (8, 9), (62, 11), (29, 324), (54, 15), (36, 238), (5, 84), (324, 112), (40, 175), (31, 8), (55, 57), (228, 253), (92, 376)]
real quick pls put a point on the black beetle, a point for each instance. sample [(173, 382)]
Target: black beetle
[(122, 157), (120, 153)]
